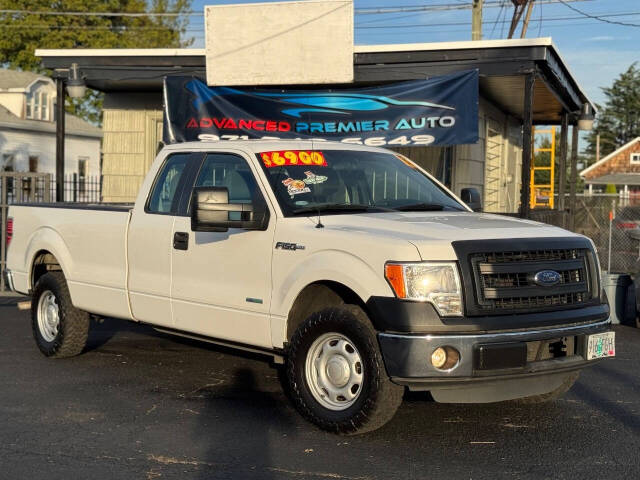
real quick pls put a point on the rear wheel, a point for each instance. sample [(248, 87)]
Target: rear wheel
[(59, 329), (335, 374)]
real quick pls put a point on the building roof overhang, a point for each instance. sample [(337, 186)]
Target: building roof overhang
[(615, 179), (502, 64)]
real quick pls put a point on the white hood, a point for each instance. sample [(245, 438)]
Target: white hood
[(427, 229)]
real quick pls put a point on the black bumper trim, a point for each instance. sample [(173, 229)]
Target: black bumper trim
[(390, 314)]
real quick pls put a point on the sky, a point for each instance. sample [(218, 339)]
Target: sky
[(595, 52)]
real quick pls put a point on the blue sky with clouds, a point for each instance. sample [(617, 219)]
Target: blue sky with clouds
[(595, 52)]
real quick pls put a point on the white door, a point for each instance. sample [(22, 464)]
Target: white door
[(150, 244), (222, 281)]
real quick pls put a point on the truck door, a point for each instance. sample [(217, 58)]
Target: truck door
[(222, 280), (150, 240)]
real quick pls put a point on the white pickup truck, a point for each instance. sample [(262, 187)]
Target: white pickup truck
[(349, 264)]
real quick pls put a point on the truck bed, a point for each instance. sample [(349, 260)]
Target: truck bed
[(89, 241)]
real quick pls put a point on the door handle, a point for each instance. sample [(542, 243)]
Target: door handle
[(181, 240)]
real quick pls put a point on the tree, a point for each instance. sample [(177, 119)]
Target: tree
[(618, 121), (30, 24)]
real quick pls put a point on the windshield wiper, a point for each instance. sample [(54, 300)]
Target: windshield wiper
[(340, 207), (425, 207)]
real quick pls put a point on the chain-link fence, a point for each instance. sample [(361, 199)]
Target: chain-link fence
[(611, 221)]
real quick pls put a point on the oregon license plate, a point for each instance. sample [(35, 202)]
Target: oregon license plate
[(601, 345)]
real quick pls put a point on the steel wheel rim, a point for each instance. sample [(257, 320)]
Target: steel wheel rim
[(334, 371), (48, 314)]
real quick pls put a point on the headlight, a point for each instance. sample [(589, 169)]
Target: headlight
[(437, 283)]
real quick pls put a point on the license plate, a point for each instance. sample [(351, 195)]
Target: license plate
[(601, 345)]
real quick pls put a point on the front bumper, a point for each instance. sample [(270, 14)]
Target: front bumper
[(407, 357)]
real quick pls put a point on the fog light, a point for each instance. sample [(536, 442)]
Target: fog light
[(445, 358)]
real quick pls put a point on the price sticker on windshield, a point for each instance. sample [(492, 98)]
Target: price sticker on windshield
[(287, 158)]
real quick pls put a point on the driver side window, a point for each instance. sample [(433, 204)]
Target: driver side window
[(233, 172)]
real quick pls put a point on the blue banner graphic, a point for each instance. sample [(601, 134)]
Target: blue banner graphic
[(438, 111)]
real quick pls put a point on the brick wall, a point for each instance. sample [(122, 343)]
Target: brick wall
[(619, 163)]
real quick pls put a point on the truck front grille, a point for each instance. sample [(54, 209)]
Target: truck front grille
[(505, 279), (502, 282)]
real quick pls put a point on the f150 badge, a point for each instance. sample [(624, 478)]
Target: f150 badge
[(289, 246), (547, 278)]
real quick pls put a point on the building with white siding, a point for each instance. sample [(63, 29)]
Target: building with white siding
[(28, 129)]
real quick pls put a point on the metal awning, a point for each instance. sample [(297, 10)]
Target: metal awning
[(503, 66), (524, 78)]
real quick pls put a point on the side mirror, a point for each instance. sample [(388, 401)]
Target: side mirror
[(212, 212), (471, 197)]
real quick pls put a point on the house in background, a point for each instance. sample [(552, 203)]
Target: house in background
[(28, 129), (620, 168)]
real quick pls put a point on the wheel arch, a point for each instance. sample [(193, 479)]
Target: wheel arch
[(43, 261), (318, 295), (47, 247)]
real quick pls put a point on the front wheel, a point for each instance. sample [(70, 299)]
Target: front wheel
[(335, 374), (59, 329)]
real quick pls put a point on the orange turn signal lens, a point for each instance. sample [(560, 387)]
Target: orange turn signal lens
[(395, 276)]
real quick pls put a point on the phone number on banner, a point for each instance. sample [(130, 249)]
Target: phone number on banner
[(371, 141)]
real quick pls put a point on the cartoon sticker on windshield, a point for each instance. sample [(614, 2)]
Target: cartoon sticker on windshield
[(313, 179), (294, 187)]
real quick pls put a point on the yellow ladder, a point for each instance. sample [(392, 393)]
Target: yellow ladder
[(542, 193)]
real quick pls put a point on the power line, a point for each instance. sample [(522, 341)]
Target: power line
[(540, 21), (497, 18), (192, 28), (192, 13), (595, 17), (442, 7), (490, 22), (449, 31)]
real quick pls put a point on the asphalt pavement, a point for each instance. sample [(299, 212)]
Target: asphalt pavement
[(141, 404)]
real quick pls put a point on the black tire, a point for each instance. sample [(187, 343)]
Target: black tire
[(553, 394), (378, 399), (73, 327)]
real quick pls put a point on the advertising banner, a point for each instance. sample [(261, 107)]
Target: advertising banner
[(437, 111)]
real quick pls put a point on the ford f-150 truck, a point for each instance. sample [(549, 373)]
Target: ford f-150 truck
[(348, 264)]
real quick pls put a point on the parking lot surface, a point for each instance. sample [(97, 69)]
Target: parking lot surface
[(141, 404)]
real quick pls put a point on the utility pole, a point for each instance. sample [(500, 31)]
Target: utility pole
[(519, 5), (527, 17), (476, 20)]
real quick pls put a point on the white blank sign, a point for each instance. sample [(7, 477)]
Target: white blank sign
[(283, 43)]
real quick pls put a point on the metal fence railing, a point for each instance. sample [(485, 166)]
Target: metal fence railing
[(18, 187), (611, 221)]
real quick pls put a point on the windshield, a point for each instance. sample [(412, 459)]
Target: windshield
[(343, 181)]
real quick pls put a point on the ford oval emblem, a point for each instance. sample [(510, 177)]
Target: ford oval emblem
[(547, 278)]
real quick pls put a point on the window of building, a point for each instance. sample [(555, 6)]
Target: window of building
[(635, 159), (33, 163), (37, 106), (44, 106), (29, 112), (8, 162)]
